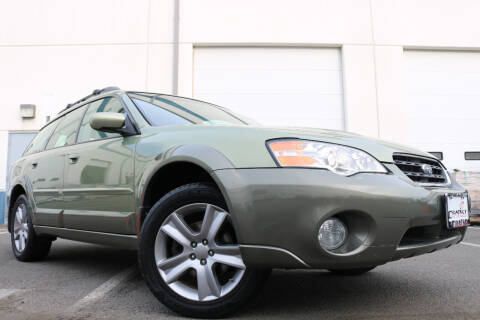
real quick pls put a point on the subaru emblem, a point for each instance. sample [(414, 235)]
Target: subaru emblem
[(427, 169)]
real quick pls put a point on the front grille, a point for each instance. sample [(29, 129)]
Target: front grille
[(421, 170)]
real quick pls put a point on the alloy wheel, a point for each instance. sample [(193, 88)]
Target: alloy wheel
[(20, 228), (197, 254)]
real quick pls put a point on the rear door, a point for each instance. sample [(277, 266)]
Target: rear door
[(45, 168), (99, 177), (44, 193)]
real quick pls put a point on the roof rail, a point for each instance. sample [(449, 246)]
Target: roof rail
[(94, 93)]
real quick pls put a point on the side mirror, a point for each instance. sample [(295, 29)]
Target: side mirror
[(106, 121), (112, 122)]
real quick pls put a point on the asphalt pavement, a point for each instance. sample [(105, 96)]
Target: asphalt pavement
[(83, 281)]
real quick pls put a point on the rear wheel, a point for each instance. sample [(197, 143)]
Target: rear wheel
[(190, 257), (351, 272), (26, 245)]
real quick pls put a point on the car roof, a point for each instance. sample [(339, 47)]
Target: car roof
[(98, 93)]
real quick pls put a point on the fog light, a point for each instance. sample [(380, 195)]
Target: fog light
[(332, 234)]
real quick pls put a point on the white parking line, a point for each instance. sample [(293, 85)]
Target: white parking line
[(470, 244), (474, 228), (4, 293), (102, 290), (4, 232)]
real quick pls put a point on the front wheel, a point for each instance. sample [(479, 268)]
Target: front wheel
[(190, 257)]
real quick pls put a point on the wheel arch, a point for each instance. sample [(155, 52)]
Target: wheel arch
[(185, 164), (17, 191)]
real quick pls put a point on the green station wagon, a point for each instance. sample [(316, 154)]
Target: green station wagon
[(212, 201)]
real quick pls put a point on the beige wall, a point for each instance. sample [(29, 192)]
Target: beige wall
[(53, 52), (371, 33)]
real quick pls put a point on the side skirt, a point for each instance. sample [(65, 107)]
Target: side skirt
[(111, 239)]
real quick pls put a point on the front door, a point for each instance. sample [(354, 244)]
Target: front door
[(99, 177)]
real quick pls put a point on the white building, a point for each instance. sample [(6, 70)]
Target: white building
[(406, 70)]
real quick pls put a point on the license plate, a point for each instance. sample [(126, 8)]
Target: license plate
[(457, 210)]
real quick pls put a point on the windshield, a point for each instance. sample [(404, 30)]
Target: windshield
[(160, 109)]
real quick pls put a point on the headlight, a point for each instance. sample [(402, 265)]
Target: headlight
[(336, 158)]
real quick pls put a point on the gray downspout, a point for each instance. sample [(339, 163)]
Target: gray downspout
[(176, 27)]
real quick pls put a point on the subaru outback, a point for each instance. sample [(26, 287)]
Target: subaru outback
[(212, 201)]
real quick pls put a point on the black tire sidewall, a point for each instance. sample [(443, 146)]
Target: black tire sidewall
[(188, 194)]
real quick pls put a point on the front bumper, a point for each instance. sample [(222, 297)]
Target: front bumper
[(277, 213)]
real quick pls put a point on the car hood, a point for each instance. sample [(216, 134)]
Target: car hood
[(245, 146), (380, 149)]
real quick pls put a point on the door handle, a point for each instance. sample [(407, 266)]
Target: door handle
[(73, 158), (34, 165)]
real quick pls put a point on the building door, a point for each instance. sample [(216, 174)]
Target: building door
[(285, 86), (443, 105), (17, 143)]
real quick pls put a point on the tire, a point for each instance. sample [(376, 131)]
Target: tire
[(350, 272), (156, 244), (26, 245)]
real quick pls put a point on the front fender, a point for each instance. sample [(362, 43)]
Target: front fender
[(205, 157)]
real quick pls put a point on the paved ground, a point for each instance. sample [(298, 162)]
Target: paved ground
[(81, 281)]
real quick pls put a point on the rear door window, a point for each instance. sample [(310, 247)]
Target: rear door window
[(38, 143), (66, 130)]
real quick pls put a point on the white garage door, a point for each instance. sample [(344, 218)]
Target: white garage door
[(274, 86), (443, 104)]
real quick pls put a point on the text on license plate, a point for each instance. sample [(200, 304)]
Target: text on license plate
[(457, 210)]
